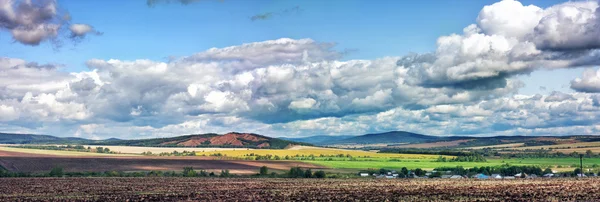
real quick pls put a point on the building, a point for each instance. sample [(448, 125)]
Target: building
[(520, 175), (496, 176), (509, 177), (456, 177), (481, 176), (446, 176), (549, 175), (364, 174)]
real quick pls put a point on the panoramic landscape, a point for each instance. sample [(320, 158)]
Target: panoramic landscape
[(287, 100)]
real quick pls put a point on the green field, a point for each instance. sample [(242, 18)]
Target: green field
[(430, 164)]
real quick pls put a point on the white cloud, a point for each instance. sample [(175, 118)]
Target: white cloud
[(32, 22), (297, 87), (590, 82)]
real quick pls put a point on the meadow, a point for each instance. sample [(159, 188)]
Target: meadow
[(560, 164)]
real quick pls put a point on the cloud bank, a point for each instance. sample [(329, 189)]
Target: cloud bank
[(301, 87)]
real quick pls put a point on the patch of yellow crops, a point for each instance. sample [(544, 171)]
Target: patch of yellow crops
[(316, 152)]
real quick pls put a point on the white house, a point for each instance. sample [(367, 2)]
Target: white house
[(496, 176), (364, 174), (456, 177), (549, 175)]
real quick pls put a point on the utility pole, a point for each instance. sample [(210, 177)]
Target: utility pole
[(581, 165)]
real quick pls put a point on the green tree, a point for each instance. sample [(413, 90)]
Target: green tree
[(404, 171), (308, 173), (419, 172), (224, 173), (320, 174), (547, 170), (56, 172), (189, 172), (263, 170)]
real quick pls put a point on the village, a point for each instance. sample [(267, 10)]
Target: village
[(393, 174)]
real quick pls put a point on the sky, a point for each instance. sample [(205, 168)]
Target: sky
[(291, 68)]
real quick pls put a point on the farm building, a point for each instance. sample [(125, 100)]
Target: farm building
[(456, 177), (364, 174), (520, 175), (496, 176), (509, 178), (446, 176), (481, 176), (549, 175)]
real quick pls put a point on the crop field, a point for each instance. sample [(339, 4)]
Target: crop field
[(316, 151), (156, 150), (431, 164), (54, 152), (273, 189), (36, 163)]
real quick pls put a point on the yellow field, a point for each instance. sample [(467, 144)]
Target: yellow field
[(316, 151), (54, 152)]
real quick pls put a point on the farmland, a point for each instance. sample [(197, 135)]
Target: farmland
[(315, 151), (36, 163), (431, 164), (246, 189)]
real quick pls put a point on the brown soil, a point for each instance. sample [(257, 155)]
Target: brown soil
[(227, 139), (22, 162), (266, 144), (192, 142)]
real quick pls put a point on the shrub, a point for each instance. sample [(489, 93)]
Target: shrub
[(320, 174), (56, 172), (263, 170)]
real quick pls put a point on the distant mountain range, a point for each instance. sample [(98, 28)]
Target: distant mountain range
[(250, 140), (320, 139)]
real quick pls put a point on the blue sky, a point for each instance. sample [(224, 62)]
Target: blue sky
[(361, 30)]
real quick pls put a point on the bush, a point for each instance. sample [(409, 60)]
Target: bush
[(263, 170), (56, 172), (224, 173), (189, 172), (320, 174), (308, 174)]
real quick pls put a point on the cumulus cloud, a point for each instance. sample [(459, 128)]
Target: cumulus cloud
[(557, 96), (80, 30), (508, 39), (32, 22), (590, 82), (288, 87)]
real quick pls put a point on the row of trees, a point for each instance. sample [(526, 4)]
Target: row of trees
[(468, 158), (295, 172), (174, 153)]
